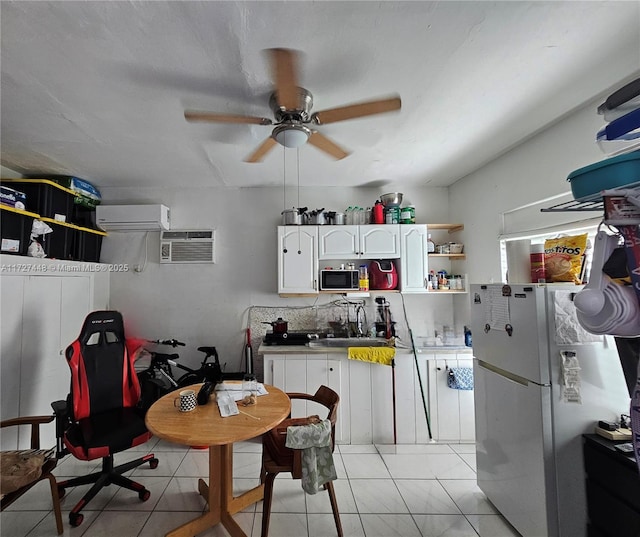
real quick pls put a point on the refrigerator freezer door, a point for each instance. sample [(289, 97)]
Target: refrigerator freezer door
[(513, 441), (524, 352)]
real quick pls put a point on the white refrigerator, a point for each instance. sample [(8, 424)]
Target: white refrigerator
[(533, 403)]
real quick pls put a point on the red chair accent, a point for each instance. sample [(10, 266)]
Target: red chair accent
[(100, 417)]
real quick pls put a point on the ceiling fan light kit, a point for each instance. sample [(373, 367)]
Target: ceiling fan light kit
[(291, 106), (291, 134)]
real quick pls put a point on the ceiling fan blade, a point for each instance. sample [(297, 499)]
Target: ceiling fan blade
[(357, 110), (194, 115), (323, 143), (262, 150), (285, 76)]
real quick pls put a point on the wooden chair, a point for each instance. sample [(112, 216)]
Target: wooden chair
[(276, 457), (47, 468)]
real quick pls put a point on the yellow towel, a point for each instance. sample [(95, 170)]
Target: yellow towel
[(377, 355)]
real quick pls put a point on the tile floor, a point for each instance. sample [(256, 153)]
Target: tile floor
[(383, 491)]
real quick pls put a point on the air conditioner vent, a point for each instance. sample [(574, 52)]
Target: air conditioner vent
[(187, 246)]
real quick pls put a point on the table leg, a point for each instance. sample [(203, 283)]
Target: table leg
[(219, 495)]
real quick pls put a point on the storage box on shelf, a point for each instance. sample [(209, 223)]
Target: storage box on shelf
[(59, 244), (15, 227), (89, 244), (45, 197)]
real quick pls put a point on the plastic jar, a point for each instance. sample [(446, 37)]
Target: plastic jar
[(392, 215), (363, 278), (408, 215)]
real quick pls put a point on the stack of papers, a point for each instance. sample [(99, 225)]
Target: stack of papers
[(234, 389)]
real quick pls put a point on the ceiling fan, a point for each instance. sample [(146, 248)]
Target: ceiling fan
[(291, 107)]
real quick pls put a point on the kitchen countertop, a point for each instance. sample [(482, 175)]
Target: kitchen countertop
[(303, 349)]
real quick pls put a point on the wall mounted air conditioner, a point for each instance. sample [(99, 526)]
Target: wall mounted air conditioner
[(133, 217), (187, 246)]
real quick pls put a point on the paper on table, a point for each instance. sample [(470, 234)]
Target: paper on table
[(227, 404), (234, 389)]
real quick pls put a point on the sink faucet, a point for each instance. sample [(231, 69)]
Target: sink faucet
[(359, 314)]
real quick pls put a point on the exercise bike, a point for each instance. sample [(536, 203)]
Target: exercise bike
[(158, 378)]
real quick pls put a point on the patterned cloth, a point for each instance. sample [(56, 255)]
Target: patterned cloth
[(460, 378), (317, 458)]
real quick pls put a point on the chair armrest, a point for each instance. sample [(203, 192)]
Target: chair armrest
[(34, 421), (61, 412)]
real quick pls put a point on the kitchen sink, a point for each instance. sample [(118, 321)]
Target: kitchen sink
[(348, 342)]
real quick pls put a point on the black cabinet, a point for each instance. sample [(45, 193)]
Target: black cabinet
[(613, 490)]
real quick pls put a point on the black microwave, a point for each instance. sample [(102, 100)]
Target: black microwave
[(339, 280)]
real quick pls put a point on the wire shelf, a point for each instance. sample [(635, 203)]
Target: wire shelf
[(592, 203)]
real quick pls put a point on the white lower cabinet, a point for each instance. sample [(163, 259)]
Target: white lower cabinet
[(366, 414), (305, 373), (452, 410)]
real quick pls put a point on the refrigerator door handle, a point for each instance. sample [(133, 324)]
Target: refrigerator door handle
[(508, 375)]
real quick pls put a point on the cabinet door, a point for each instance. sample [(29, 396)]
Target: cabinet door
[(452, 411), (414, 268), (467, 408), (322, 371), (297, 259), (380, 241), (12, 289), (360, 402), (338, 242)]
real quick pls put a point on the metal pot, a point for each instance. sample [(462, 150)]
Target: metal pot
[(293, 217), (317, 217), (280, 326), (338, 219)]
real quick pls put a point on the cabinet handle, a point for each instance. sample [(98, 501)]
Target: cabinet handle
[(284, 251), (331, 369)]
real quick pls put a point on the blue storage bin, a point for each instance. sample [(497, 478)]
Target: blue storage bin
[(615, 172)]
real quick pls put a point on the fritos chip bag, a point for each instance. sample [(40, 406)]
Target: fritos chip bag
[(563, 258)]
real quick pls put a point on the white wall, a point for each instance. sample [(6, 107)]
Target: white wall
[(533, 171), (207, 304)]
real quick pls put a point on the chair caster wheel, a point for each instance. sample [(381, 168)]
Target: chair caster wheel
[(153, 463), (144, 495), (75, 519)]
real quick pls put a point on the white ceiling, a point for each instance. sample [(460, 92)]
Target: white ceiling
[(98, 89)]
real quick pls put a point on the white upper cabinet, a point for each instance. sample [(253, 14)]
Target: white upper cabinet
[(297, 260), (359, 242), (338, 242), (414, 267)]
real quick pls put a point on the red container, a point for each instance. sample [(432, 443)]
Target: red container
[(538, 272), (378, 213)]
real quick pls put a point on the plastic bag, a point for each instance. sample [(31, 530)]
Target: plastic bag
[(564, 258)]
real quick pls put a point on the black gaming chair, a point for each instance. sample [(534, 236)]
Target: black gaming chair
[(101, 416)]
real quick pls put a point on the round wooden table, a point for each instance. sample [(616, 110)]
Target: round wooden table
[(205, 427)]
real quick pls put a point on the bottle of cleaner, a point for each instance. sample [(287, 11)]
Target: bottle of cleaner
[(431, 246)]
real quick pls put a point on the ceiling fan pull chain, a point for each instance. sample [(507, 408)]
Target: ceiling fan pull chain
[(298, 169)]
